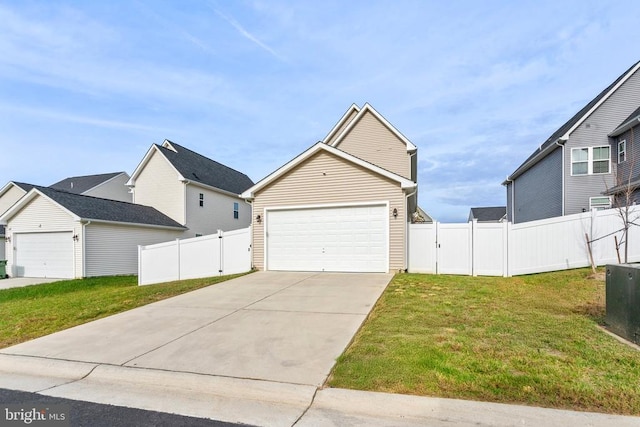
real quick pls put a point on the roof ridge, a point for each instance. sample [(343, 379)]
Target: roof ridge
[(200, 155)]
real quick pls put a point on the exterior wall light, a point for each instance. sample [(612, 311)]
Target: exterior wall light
[(395, 212), (259, 219)]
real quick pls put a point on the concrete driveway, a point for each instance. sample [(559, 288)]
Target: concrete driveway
[(266, 336), (19, 282)]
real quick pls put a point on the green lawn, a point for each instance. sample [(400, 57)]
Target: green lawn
[(531, 339), (34, 311)]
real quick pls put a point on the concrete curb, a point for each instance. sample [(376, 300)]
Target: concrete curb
[(221, 398), (334, 407), (34, 374)]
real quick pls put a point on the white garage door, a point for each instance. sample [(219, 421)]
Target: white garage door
[(347, 239), (44, 255)]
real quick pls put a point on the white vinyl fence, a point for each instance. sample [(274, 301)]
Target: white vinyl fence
[(206, 256), (505, 249)]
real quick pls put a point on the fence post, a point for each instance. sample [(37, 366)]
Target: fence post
[(509, 250), (178, 257), (474, 235), (139, 265), (221, 250)]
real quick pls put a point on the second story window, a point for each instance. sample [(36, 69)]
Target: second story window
[(590, 160), (622, 151), (201, 200), (236, 212)]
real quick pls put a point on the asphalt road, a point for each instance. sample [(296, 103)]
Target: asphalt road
[(79, 414)]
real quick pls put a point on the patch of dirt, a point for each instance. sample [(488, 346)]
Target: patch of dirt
[(599, 275)]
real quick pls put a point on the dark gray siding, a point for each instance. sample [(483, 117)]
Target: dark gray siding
[(538, 191), (594, 132), (509, 203), (631, 167)]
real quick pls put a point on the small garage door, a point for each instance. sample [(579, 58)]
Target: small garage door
[(345, 239), (44, 255)]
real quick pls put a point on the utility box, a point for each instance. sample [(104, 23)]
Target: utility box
[(3, 268), (623, 301)]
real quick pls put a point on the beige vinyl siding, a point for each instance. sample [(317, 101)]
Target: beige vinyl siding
[(326, 179), (112, 249), (8, 199), (43, 216), (371, 140), (343, 125), (157, 185), (217, 212), (593, 132), (113, 189)]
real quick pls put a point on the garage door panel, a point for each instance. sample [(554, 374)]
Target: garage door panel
[(350, 239), (44, 255)]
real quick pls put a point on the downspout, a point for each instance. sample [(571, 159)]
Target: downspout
[(406, 230), (251, 225), (513, 194), (563, 173)]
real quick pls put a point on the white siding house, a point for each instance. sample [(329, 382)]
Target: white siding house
[(195, 191), (52, 233)]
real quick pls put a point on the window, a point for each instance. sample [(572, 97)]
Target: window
[(599, 203), (236, 213), (622, 151), (590, 160), (201, 200)]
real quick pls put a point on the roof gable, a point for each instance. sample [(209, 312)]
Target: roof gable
[(82, 184), (196, 168), (335, 141), (342, 123), (564, 131), (628, 123), (21, 185), (250, 193), (493, 213), (96, 209)]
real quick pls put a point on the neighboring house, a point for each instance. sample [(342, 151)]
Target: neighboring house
[(9, 195), (488, 214), (52, 233), (198, 193), (342, 205), (569, 172), (106, 186), (625, 144)]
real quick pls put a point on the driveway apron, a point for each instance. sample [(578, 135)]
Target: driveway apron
[(286, 327)]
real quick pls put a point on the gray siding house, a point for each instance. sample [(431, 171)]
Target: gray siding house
[(573, 169), (625, 147)]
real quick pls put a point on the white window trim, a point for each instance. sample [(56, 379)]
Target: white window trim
[(236, 210), (624, 141), (599, 206), (590, 161)]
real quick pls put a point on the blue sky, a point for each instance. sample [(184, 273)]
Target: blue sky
[(87, 87)]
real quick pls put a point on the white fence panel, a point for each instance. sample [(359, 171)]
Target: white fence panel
[(505, 249), (489, 249), (205, 256), (422, 248), (200, 257), (236, 252), (158, 265), (454, 248)]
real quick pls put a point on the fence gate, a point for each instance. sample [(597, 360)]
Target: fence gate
[(453, 248)]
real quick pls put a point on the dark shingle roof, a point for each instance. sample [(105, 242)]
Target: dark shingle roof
[(195, 167), (494, 213), (24, 186), (80, 184), (573, 120), (94, 208)]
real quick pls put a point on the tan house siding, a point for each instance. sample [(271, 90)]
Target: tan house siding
[(327, 179), (158, 186), (371, 140), (344, 124), (9, 198), (42, 215)]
